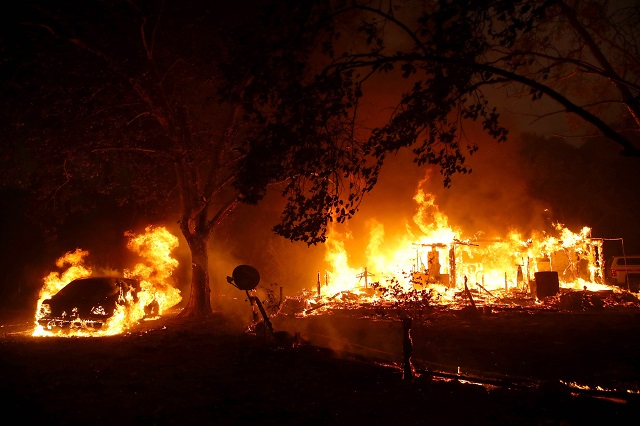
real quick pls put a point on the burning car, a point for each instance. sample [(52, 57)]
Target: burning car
[(89, 302)]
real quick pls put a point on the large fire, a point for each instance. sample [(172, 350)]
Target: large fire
[(154, 274), (435, 256)]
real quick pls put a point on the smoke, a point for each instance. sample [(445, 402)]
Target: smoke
[(494, 198), (247, 238), (381, 339), (487, 203)]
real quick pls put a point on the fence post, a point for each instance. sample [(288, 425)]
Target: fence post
[(407, 348)]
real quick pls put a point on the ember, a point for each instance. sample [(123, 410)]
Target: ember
[(152, 294), (434, 262)]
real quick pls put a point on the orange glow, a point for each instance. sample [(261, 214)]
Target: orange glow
[(154, 273), (431, 254), (76, 269)]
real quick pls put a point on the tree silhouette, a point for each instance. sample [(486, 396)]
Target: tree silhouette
[(118, 99), (314, 68)]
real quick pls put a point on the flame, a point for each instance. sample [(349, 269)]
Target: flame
[(55, 281), (432, 254), (155, 276), (154, 273)]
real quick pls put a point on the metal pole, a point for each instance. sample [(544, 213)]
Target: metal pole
[(452, 267), (256, 300), (407, 348), (251, 302)]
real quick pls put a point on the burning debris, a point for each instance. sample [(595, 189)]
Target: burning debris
[(433, 264), (75, 302)]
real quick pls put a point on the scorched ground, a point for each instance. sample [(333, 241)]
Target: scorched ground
[(214, 372)]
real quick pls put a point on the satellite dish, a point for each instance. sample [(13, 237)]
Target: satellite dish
[(245, 277)]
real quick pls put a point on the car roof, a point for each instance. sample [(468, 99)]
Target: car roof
[(93, 285)]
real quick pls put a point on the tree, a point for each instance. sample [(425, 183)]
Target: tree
[(118, 99), (453, 62), (594, 44), (141, 98)]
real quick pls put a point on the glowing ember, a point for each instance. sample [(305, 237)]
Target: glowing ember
[(435, 256), (154, 295)]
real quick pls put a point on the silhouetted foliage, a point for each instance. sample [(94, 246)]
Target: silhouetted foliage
[(117, 99), (311, 68)]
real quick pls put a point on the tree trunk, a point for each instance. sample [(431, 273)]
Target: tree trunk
[(199, 304)]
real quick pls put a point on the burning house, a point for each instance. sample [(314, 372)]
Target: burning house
[(437, 258)]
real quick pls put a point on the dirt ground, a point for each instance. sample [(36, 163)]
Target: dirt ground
[(515, 368)]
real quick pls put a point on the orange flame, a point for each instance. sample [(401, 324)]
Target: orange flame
[(155, 246), (55, 281), (433, 254), (154, 273)]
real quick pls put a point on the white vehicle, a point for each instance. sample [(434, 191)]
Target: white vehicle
[(623, 271)]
